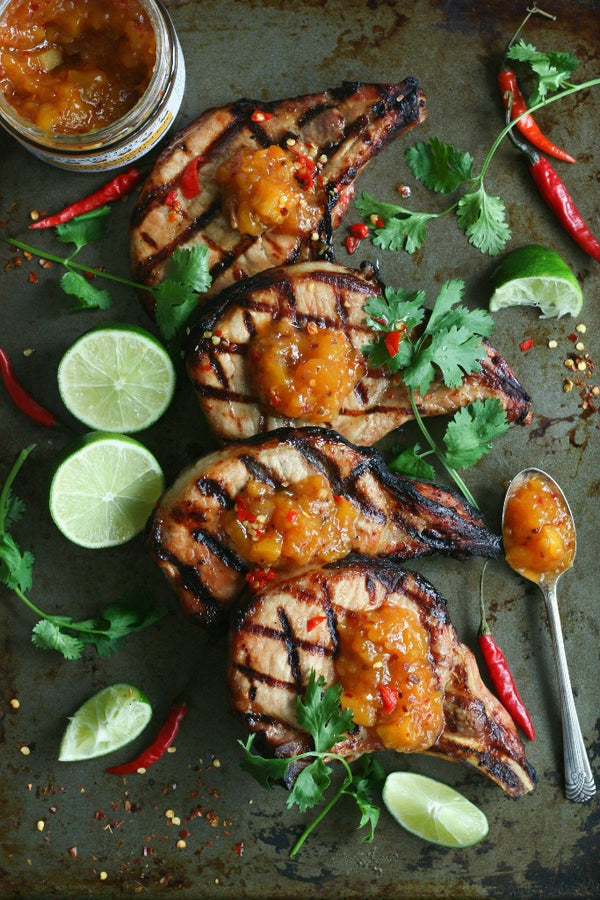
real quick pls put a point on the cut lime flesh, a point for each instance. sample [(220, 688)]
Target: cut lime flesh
[(117, 378), (536, 276), (103, 492), (107, 721), (433, 811)]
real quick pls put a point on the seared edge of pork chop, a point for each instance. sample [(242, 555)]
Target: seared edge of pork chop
[(341, 129), (397, 516), (272, 653), (330, 296)]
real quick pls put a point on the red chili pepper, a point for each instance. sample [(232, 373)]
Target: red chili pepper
[(159, 745), (189, 180), (351, 243), (554, 192), (507, 81), (258, 578), (171, 199), (377, 221), (20, 397), (500, 673), (306, 172), (392, 341), (291, 515), (359, 230), (243, 513), (527, 344), (314, 621), (113, 190), (389, 697)]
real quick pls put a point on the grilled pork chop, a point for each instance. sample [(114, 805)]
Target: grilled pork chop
[(314, 298), (324, 139), (295, 497), (275, 644)]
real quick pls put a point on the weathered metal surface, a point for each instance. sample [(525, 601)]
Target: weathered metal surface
[(239, 834)]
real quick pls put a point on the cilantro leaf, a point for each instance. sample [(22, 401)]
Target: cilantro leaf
[(14, 509), (189, 266), (456, 352), (482, 218), (403, 229), (372, 778), (441, 167), (266, 771), (174, 304), (553, 69), (384, 312), (310, 786), (15, 567), (49, 636), (472, 429), (84, 229), (368, 206), (132, 612), (319, 713), (410, 462), (89, 296)]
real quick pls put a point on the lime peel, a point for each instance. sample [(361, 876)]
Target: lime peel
[(109, 720), (536, 276), (433, 811)]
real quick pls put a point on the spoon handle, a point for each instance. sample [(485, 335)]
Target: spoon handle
[(579, 781)]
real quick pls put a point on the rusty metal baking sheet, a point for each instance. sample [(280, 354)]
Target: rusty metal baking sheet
[(238, 835)]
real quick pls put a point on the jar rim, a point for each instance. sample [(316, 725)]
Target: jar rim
[(126, 125)]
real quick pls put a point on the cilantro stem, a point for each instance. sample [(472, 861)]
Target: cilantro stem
[(439, 453), (328, 806), (9, 481), (68, 263)]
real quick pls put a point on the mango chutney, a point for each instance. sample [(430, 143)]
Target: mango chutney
[(387, 676), (538, 532), (74, 66), (303, 374)]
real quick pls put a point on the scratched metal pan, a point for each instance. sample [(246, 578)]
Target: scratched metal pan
[(237, 834)]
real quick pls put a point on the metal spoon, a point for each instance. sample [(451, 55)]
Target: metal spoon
[(579, 781)]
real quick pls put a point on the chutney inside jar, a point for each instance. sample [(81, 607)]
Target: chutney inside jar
[(303, 373), (75, 66), (384, 666), (538, 532)]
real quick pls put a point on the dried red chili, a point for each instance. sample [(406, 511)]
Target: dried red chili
[(389, 697), (20, 397), (502, 679), (114, 189), (159, 745), (554, 192), (359, 230), (511, 95), (351, 243)]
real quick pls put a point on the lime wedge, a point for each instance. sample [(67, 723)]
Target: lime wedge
[(110, 719), (117, 378), (536, 276), (103, 491), (433, 811)]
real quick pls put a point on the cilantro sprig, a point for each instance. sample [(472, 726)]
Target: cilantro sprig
[(319, 713), (445, 169), (450, 341), (176, 295), (131, 612)]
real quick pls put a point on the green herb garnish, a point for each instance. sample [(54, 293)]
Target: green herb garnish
[(132, 612), (450, 341), (176, 296), (319, 713), (445, 169)]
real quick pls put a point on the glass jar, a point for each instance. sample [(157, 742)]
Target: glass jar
[(129, 137)]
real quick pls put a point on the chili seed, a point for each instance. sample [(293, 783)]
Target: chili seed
[(569, 364), (580, 346), (25, 750), (181, 844), (567, 385), (552, 344), (103, 876), (169, 813), (581, 365), (15, 703), (40, 825), (581, 328), (291, 142)]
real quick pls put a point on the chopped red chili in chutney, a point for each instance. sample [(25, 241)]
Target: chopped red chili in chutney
[(73, 66), (388, 680)]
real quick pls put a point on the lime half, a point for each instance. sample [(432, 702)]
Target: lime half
[(110, 719), (536, 276), (103, 492), (117, 378), (433, 811)]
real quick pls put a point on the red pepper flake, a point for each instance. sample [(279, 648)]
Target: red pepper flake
[(359, 230), (33, 279), (292, 515), (305, 174), (239, 849), (238, 274), (526, 344), (314, 621), (243, 513), (392, 342), (389, 697), (172, 198), (377, 221), (73, 852), (189, 180), (258, 578), (260, 116), (351, 243)]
